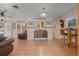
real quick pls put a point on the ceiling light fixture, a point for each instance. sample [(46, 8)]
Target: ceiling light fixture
[(43, 14)]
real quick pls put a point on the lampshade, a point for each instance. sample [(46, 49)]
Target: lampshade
[(43, 15)]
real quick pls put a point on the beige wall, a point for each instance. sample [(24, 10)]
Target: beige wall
[(56, 29)]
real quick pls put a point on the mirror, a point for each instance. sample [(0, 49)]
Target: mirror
[(40, 24)]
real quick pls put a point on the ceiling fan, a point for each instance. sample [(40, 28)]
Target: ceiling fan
[(3, 14), (16, 6)]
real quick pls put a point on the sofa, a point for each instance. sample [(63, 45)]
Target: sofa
[(6, 46)]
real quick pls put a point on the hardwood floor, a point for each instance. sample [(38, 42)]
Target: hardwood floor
[(41, 48)]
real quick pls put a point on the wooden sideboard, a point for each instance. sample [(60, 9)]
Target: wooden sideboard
[(40, 34), (22, 35)]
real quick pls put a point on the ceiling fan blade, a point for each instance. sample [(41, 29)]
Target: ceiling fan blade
[(16, 6), (0, 10), (5, 10), (9, 16)]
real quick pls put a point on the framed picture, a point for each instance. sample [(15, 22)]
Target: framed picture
[(31, 24), (48, 24)]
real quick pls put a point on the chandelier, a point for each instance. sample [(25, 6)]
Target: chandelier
[(43, 14)]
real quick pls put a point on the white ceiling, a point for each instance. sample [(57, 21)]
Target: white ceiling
[(35, 9)]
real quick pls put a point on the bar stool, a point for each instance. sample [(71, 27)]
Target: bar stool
[(68, 36), (73, 42), (64, 35)]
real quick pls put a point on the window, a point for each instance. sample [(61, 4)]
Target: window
[(72, 22)]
